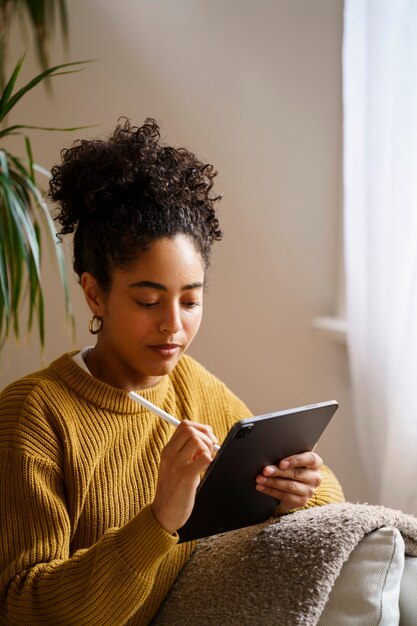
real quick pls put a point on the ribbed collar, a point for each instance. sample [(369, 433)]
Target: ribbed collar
[(103, 395)]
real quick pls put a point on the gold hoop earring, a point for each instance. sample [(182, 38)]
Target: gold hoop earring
[(95, 324)]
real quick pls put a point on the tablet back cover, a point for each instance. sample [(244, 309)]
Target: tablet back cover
[(227, 497)]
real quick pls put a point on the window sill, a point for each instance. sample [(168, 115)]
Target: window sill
[(335, 328)]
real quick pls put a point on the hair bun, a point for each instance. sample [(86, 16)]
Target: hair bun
[(121, 193)]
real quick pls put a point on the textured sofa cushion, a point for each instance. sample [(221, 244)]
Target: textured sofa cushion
[(367, 590)]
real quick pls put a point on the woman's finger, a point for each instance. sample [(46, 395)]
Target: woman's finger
[(305, 459), (297, 475), (296, 493), (188, 430)]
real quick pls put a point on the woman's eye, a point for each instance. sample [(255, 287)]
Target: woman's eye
[(146, 305), (191, 304)]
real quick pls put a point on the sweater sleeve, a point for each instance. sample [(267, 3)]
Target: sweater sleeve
[(330, 490), (43, 580), (40, 581)]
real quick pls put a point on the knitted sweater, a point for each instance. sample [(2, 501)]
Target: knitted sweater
[(78, 467)]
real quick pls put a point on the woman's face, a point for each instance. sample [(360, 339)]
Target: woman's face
[(150, 316)]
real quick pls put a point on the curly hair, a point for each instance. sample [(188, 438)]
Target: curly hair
[(120, 194)]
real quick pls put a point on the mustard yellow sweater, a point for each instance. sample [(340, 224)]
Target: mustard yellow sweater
[(78, 465)]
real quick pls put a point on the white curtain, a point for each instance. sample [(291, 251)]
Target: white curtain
[(380, 209)]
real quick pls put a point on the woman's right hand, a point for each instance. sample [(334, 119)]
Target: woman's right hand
[(187, 454)]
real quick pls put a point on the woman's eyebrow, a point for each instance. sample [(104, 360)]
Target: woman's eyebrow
[(197, 285), (152, 285)]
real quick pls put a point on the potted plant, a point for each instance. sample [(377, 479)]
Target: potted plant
[(24, 215), (24, 218)]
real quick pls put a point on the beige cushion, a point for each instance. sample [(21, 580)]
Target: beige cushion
[(408, 593), (367, 591)]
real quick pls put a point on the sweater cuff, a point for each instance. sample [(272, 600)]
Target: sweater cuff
[(143, 542)]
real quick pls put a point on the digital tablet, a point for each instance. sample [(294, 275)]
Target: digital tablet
[(227, 497)]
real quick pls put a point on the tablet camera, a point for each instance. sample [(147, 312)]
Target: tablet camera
[(244, 432)]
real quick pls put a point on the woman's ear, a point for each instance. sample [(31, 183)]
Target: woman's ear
[(93, 293)]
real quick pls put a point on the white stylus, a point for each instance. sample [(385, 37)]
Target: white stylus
[(155, 409)]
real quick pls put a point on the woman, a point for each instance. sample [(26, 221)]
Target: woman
[(94, 487)]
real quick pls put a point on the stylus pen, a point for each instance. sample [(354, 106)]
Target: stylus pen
[(155, 409)]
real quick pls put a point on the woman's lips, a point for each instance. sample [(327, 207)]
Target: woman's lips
[(166, 350)]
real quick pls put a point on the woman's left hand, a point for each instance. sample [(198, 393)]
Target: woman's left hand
[(293, 482)]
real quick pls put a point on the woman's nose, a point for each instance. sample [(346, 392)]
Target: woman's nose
[(171, 321)]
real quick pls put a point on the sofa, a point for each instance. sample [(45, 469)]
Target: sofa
[(336, 565)]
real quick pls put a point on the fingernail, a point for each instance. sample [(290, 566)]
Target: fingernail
[(269, 470), (284, 464)]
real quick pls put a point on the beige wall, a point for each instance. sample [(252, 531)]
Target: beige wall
[(256, 89)]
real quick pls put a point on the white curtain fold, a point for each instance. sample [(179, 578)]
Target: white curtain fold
[(380, 228)]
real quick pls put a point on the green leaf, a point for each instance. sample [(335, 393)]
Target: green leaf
[(26, 227), (34, 288), (41, 310), (4, 166), (57, 249), (17, 258), (10, 130), (7, 91), (64, 20), (42, 14), (30, 159), (2, 335), (14, 259), (6, 104), (4, 287), (41, 318)]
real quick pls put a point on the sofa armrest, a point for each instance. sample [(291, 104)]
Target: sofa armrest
[(408, 593), (367, 590)]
